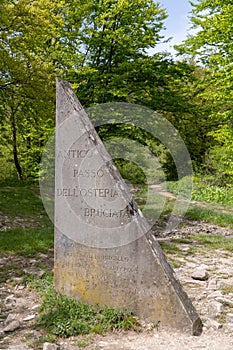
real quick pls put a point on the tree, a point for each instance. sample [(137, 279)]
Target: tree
[(27, 74), (212, 46), (112, 39)]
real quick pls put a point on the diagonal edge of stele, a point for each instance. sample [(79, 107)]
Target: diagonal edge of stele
[(105, 255)]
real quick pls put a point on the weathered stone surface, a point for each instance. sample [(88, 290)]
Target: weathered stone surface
[(34, 271), (215, 309), (225, 301), (12, 326), (18, 347), (10, 301), (213, 324), (215, 294), (104, 251), (10, 318), (29, 317), (200, 274), (2, 333), (229, 318), (213, 283), (50, 346)]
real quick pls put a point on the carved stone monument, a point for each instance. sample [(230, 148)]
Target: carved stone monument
[(104, 250)]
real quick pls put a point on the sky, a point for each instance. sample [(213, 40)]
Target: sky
[(176, 24)]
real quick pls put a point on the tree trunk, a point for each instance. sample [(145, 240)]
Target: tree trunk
[(15, 150)]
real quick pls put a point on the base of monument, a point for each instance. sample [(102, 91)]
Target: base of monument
[(135, 276)]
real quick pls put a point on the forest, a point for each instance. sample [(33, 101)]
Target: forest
[(106, 49)]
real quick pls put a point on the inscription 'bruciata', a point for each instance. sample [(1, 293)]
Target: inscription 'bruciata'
[(91, 192), (108, 213)]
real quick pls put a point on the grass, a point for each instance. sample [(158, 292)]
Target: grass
[(21, 201), (215, 203), (26, 242), (208, 214), (214, 242), (64, 317), (170, 248), (204, 190), (82, 343), (197, 243), (213, 212), (227, 289), (181, 240)]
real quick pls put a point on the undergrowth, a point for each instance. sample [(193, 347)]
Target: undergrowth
[(204, 190), (64, 317), (215, 216)]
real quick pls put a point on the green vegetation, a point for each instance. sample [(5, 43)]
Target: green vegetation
[(65, 317), (209, 214), (22, 201), (195, 244), (169, 248), (214, 242), (26, 242), (102, 48), (204, 189), (83, 342)]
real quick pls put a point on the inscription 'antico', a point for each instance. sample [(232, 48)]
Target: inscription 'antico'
[(73, 153)]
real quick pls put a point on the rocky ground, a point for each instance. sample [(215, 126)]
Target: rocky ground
[(206, 275)]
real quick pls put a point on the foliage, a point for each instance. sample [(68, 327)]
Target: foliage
[(221, 155), (212, 40), (27, 78), (130, 171), (212, 194), (204, 189), (211, 45), (106, 50), (112, 41)]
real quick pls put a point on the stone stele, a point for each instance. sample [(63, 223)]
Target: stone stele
[(104, 250)]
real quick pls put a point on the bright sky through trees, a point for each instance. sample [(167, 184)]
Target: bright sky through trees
[(177, 23)]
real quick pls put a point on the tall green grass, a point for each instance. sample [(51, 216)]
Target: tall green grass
[(204, 190)]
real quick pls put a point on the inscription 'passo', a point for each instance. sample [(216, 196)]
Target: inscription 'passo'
[(88, 173)]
